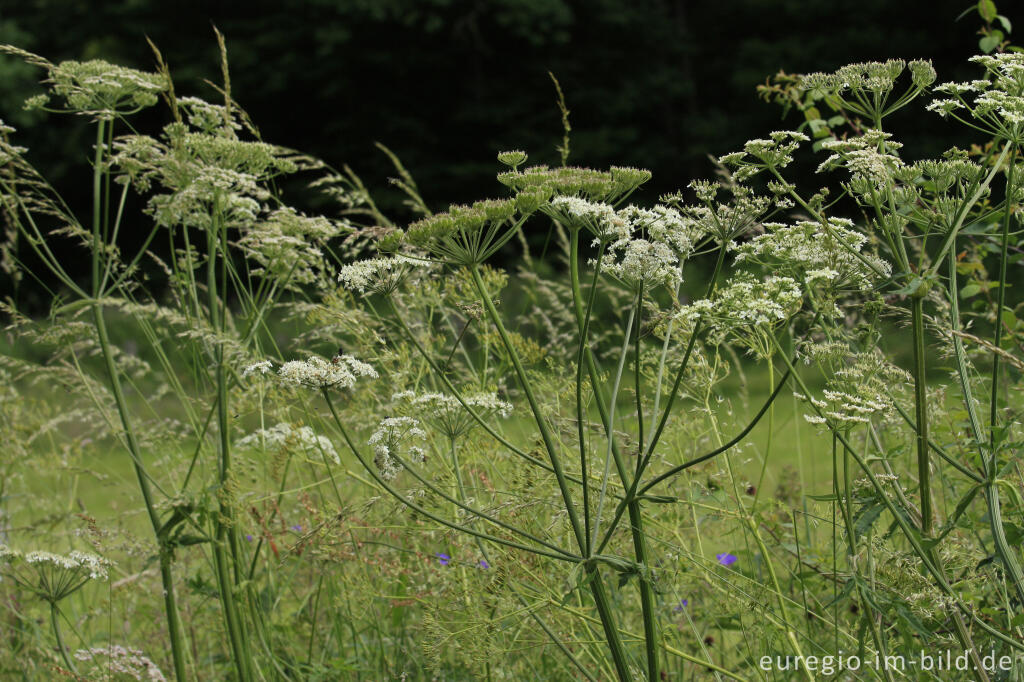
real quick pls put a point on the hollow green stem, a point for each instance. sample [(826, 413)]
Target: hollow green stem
[(61, 647)]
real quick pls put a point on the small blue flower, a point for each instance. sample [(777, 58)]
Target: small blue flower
[(297, 528), (484, 564), (680, 606), (727, 559), (443, 558), (249, 538)]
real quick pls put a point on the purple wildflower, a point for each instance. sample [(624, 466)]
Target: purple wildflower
[(683, 603), (726, 559), (297, 528), (249, 538), (484, 564), (443, 558)]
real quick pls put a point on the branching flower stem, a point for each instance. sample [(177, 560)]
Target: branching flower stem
[(636, 520), (595, 580)]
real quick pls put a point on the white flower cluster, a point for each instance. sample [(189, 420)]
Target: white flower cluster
[(759, 154), (746, 309), (53, 576), (96, 87), (808, 251), (390, 440), (237, 195), (114, 660), (869, 167), (94, 566), (205, 176), (598, 218), (869, 78), (340, 372), (284, 244), (380, 275), (262, 368), (214, 119), (857, 390), (665, 225), (284, 437), (639, 263), (727, 221), (447, 414), (999, 99)]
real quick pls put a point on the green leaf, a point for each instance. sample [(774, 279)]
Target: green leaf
[(988, 43), (912, 287), (867, 517), (970, 290), (1006, 23), (987, 10)]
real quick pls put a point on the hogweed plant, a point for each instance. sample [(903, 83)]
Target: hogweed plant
[(365, 451)]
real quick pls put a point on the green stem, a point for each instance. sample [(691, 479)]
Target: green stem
[(927, 558), (647, 601), (990, 467), (166, 575), (545, 431), (584, 331), (61, 647), (223, 542), (1000, 303), (921, 407), (595, 580)]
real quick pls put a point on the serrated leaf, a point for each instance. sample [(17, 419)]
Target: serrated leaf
[(867, 517)]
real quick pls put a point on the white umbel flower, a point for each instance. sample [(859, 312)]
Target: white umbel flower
[(340, 372), (381, 275), (284, 437), (639, 263), (598, 218), (394, 438), (53, 576), (113, 661), (446, 413)]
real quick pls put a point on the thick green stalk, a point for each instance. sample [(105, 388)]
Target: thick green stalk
[(921, 409), (224, 525), (647, 601), (574, 274), (594, 578), (990, 465), (1008, 554), (61, 647), (166, 575)]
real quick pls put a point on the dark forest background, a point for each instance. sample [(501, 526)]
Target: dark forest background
[(658, 84)]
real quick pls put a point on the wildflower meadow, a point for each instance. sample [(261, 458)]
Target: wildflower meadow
[(763, 427)]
